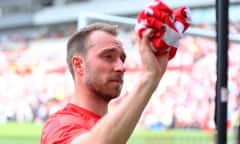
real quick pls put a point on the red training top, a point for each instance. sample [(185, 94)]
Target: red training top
[(66, 124)]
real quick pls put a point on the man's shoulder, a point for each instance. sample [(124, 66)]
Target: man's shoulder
[(74, 111), (72, 115), (63, 125)]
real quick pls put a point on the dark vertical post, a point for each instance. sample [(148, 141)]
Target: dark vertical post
[(222, 70), (238, 134)]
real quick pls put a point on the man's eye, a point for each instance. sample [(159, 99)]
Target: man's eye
[(123, 58), (108, 56)]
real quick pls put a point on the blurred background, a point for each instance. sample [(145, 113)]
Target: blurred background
[(35, 81)]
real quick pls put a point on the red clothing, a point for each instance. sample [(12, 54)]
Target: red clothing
[(66, 124)]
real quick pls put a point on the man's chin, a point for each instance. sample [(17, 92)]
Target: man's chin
[(114, 96), (108, 97)]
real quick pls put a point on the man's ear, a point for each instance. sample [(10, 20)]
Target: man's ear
[(77, 64)]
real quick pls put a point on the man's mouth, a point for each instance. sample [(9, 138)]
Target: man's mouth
[(120, 81)]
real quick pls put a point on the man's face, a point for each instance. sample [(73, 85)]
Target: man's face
[(104, 67)]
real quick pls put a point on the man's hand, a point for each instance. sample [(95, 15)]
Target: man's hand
[(154, 66)]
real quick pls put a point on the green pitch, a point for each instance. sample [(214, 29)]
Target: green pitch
[(20, 133), (29, 133)]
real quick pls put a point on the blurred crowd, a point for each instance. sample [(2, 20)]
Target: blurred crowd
[(35, 81)]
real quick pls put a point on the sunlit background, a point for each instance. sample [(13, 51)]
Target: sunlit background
[(35, 81)]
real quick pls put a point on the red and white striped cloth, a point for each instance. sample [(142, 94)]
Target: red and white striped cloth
[(169, 26)]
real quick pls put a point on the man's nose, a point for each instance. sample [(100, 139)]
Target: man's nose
[(120, 67)]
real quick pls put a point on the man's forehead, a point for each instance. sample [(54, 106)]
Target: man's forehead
[(102, 38), (118, 42), (112, 46)]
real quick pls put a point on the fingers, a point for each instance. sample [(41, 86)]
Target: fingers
[(145, 42), (147, 35)]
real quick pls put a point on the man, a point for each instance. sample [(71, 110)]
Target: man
[(96, 60)]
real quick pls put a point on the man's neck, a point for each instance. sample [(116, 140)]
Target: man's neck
[(89, 101)]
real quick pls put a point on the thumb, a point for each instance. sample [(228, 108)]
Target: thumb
[(147, 34), (146, 39)]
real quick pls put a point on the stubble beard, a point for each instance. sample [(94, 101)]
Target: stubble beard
[(96, 84)]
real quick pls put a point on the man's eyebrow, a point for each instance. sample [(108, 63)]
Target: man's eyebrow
[(123, 54), (108, 49)]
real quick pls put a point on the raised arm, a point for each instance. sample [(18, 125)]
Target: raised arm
[(117, 126)]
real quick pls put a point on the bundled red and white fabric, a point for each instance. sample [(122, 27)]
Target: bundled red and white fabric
[(169, 26)]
